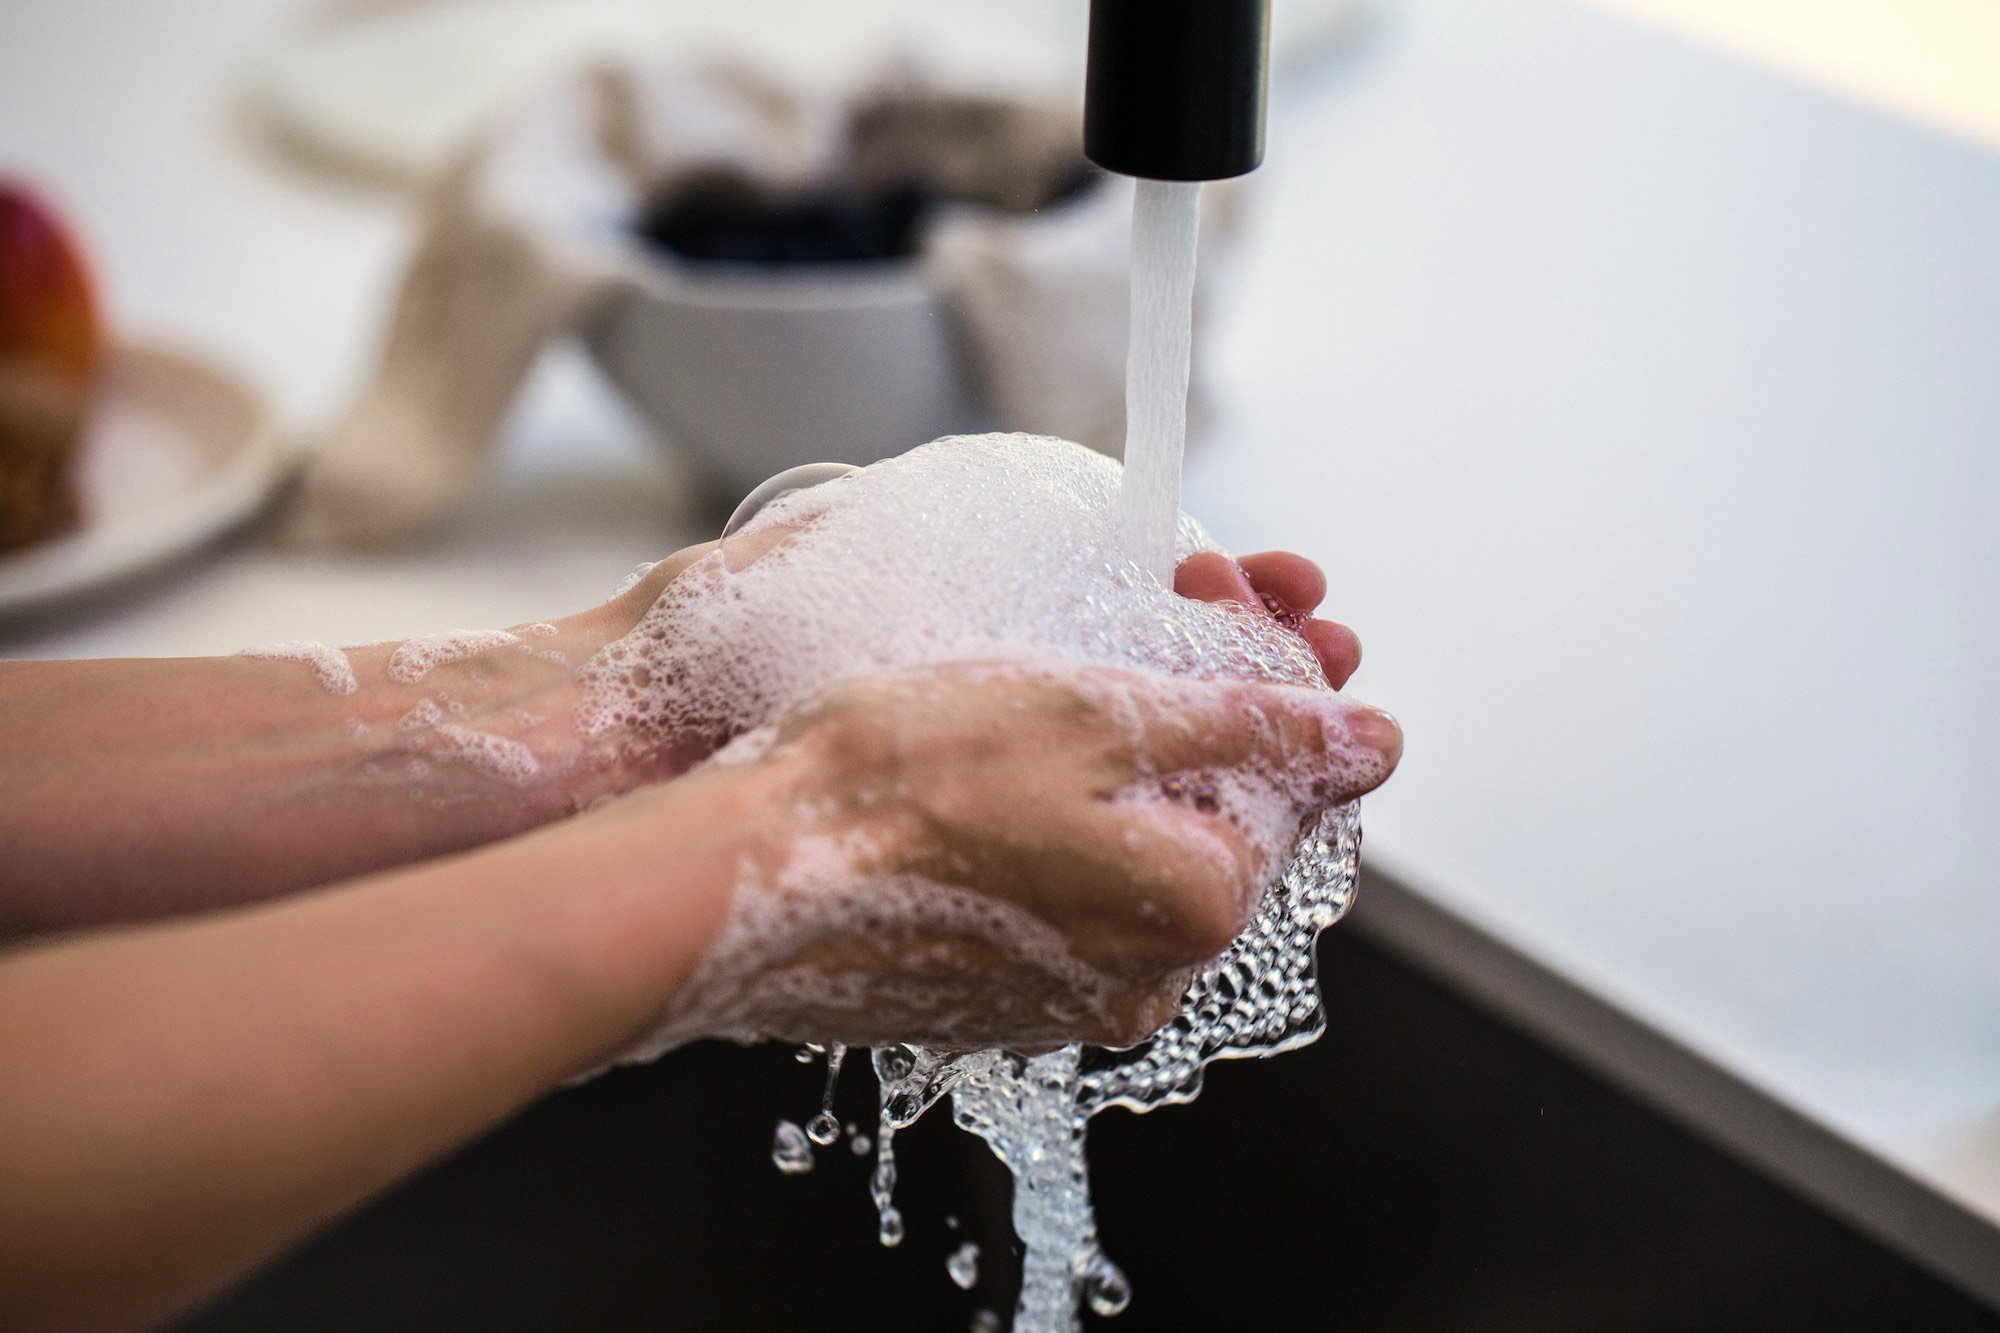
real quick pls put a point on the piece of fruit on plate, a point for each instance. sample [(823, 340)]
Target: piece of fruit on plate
[(51, 343)]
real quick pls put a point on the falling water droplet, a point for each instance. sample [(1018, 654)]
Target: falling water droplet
[(1105, 1288), (963, 1266), (985, 1321), (791, 1151), (862, 1145), (823, 1129), (882, 1185), (891, 1232), (804, 1055)]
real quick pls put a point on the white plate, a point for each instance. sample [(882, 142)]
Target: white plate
[(393, 93), (175, 453)]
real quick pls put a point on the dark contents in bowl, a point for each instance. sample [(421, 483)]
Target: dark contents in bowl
[(722, 215), (909, 150)]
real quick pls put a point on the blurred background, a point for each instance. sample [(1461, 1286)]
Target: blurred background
[(1632, 367)]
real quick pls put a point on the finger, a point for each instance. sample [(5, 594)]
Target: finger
[(1336, 647), (1312, 740), (1294, 582), (634, 601), (1195, 878), (747, 548), (1207, 576), (1242, 763)]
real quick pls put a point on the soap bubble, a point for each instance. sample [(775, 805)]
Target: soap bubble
[(329, 665)]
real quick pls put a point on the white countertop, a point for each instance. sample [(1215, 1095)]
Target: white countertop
[(1643, 406), (1645, 410)]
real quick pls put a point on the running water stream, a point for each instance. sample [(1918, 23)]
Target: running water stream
[(1260, 997), (1166, 217)]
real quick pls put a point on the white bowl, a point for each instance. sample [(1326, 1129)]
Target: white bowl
[(754, 370)]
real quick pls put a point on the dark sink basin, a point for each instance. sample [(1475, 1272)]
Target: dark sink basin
[(1424, 1167)]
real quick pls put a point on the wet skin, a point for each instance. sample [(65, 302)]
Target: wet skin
[(190, 1095)]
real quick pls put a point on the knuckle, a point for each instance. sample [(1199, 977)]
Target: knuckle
[(1209, 930)]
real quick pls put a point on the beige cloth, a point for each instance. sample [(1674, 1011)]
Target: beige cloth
[(530, 228)]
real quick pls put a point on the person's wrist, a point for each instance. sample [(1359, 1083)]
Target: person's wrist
[(620, 615), (488, 744), (483, 746), (661, 865)]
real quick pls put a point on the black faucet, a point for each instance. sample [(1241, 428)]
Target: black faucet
[(1175, 88)]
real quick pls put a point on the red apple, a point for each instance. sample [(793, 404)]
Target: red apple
[(49, 347), (48, 311)]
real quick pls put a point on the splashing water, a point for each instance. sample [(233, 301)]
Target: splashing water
[(791, 1151), (1260, 997), (1065, 559), (823, 1128), (962, 1266)]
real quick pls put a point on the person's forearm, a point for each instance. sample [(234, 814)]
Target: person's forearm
[(186, 1099), (141, 788)]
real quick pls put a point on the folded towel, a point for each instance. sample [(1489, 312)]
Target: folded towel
[(533, 226)]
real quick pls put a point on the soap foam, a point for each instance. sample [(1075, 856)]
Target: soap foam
[(330, 665), (418, 657), (969, 548), (425, 713), (631, 581), (495, 756), (1007, 550)]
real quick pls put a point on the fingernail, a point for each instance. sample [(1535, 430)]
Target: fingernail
[(1375, 729)]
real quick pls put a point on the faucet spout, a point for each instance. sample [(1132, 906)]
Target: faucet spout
[(1174, 89)]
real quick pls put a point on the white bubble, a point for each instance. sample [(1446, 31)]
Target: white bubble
[(417, 658), (424, 714), (496, 756), (330, 665), (631, 580)]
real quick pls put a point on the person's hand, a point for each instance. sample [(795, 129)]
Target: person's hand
[(1280, 584), (1288, 587), (1285, 586), (1010, 854), (1021, 855), (1123, 918), (490, 731)]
